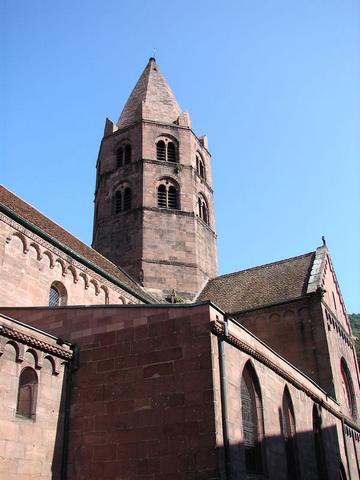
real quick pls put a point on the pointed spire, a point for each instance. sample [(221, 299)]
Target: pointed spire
[(151, 99)]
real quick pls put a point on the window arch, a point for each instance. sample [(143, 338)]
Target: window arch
[(27, 393), (318, 440), (57, 295), (167, 194), (123, 155), (200, 166), (252, 420), (203, 210), (288, 428), (348, 388), (122, 199), (166, 150)]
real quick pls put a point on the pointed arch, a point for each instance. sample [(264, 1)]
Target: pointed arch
[(252, 420), (318, 441), (348, 388), (289, 433)]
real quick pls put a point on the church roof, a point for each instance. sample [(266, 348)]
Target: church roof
[(150, 99), (260, 286), (76, 246)]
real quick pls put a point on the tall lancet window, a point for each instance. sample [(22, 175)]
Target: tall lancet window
[(288, 428), (319, 445), (252, 420)]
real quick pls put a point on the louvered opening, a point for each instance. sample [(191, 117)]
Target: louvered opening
[(162, 196), (172, 198), (171, 153), (199, 207), (119, 157), (160, 150), (117, 202), (127, 198), (205, 215), (127, 154)]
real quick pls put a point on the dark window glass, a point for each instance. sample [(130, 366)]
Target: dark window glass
[(160, 150), (288, 420), (203, 210), (162, 201), (118, 202), (26, 403), (54, 297), (172, 198), (120, 157), (127, 199), (319, 446), (348, 389), (127, 154), (171, 153), (251, 423)]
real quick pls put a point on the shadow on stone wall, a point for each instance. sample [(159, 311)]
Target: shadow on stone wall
[(306, 456)]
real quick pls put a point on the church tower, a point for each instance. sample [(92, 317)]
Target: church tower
[(154, 211)]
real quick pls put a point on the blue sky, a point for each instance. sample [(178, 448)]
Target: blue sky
[(274, 84)]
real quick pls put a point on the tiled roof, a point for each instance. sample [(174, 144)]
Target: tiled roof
[(264, 285), (152, 95), (50, 228)]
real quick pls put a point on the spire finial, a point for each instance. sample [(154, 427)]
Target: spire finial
[(324, 241)]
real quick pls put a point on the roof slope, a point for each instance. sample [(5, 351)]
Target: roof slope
[(263, 285), (33, 216), (152, 95)]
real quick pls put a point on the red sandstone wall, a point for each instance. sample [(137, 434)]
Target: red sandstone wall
[(29, 448), (272, 375), (29, 265), (297, 332), (142, 404)]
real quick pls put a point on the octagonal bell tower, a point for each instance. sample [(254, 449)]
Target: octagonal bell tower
[(154, 211)]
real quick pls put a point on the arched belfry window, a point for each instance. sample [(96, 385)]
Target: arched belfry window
[(167, 194), (57, 295), (348, 388), (166, 150), (252, 420), (123, 155), (200, 166), (203, 210), (122, 199), (288, 429), (27, 393)]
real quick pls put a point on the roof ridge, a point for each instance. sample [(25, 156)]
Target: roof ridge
[(263, 265)]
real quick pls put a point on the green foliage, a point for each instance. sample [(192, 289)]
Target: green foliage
[(355, 325)]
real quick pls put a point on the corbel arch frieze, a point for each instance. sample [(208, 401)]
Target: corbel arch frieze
[(21, 237)]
